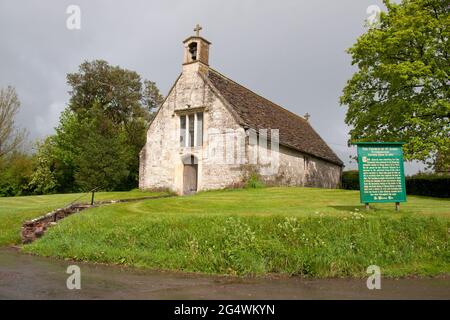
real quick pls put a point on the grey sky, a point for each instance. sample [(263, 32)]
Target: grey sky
[(292, 52)]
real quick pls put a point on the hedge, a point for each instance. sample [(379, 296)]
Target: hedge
[(350, 180), (431, 185)]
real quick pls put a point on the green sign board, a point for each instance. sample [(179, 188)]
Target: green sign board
[(381, 175)]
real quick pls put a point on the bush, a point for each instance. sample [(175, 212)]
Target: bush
[(350, 180), (251, 178), (432, 185), (254, 181)]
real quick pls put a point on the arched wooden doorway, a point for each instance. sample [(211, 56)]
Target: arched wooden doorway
[(190, 174)]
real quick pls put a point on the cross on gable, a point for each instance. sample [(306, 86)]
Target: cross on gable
[(197, 30)]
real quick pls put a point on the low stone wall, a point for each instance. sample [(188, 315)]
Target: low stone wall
[(33, 229)]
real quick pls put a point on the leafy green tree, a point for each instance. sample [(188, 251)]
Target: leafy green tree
[(401, 91), (86, 152), (65, 147), (151, 96), (97, 141), (100, 133), (15, 174), (125, 99), (55, 166), (119, 92), (442, 163), (43, 179), (102, 158)]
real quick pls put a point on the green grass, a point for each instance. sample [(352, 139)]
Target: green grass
[(301, 231), (15, 210)]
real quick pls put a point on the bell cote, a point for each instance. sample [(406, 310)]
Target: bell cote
[(196, 49)]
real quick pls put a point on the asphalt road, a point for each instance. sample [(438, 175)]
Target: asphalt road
[(30, 277)]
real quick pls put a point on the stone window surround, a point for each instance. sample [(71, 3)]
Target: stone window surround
[(192, 111)]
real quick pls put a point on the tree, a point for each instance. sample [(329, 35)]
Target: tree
[(86, 152), (127, 100), (100, 133), (118, 91), (65, 147), (102, 158), (54, 165), (43, 179), (151, 96), (10, 137), (401, 91), (15, 174), (442, 163)]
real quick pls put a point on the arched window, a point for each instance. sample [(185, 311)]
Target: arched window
[(193, 50)]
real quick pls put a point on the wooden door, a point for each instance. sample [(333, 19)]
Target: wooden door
[(190, 178)]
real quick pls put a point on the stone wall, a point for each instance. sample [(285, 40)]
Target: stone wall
[(162, 157), (33, 229), (298, 169)]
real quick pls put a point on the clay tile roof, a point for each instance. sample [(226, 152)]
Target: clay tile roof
[(257, 112)]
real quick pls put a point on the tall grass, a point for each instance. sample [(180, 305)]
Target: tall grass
[(317, 245)]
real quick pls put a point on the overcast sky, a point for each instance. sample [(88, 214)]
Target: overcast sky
[(291, 52)]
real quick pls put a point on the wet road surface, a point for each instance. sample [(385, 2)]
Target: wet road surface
[(30, 277)]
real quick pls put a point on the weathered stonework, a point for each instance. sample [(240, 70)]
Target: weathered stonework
[(162, 158), (298, 169)]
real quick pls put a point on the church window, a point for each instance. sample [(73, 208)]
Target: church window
[(191, 130), (199, 129), (182, 131)]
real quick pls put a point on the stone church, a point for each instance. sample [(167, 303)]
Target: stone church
[(211, 133)]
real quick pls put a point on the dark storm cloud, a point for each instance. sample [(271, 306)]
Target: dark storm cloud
[(292, 52)]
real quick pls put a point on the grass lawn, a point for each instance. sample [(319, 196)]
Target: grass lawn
[(15, 210), (296, 231)]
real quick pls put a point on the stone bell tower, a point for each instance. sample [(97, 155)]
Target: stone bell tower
[(196, 52)]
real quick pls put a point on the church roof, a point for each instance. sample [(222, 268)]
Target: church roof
[(257, 112)]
